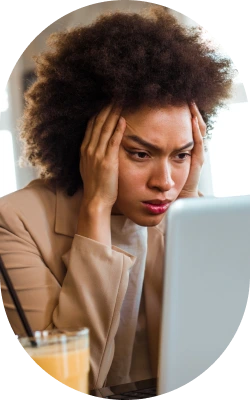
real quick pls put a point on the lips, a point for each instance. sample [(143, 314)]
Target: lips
[(157, 202), (156, 206)]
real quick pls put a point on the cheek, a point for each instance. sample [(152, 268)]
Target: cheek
[(131, 177), (181, 174), (186, 172)]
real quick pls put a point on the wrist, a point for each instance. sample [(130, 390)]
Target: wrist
[(94, 222), (90, 208)]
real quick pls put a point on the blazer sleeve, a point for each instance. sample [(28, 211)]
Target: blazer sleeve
[(91, 294)]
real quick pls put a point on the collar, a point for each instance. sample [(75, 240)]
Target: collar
[(67, 211)]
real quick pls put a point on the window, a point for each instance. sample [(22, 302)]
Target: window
[(230, 144), (229, 152), (4, 102), (7, 162)]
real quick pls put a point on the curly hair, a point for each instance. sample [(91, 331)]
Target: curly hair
[(125, 58)]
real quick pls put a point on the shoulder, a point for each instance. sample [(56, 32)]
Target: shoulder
[(35, 196), (35, 187)]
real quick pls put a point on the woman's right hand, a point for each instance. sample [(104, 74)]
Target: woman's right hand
[(99, 158)]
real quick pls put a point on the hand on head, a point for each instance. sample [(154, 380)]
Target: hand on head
[(99, 157), (190, 188)]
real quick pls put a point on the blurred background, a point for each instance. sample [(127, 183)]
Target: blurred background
[(226, 168)]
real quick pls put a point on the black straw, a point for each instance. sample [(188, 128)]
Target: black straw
[(17, 303)]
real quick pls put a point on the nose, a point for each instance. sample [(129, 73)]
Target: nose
[(161, 178)]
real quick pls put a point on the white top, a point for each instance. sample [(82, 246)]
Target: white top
[(131, 359)]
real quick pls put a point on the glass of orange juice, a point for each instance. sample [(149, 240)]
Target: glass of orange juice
[(63, 354)]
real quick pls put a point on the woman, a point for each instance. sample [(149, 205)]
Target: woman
[(115, 122)]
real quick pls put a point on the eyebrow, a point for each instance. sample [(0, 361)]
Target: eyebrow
[(151, 146)]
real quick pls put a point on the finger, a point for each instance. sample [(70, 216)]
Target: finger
[(196, 113), (88, 132), (115, 140), (197, 158), (108, 129), (198, 150), (98, 126)]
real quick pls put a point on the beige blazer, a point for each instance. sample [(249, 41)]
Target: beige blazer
[(65, 280)]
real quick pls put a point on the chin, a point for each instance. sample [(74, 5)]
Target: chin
[(142, 220)]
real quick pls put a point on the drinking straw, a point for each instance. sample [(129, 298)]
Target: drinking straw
[(17, 303)]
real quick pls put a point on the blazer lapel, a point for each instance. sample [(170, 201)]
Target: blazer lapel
[(67, 211)]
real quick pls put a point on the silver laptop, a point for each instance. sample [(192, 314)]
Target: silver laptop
[(206, 283)]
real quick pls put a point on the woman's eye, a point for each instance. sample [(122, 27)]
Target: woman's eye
[(183, 156), (139, 155)]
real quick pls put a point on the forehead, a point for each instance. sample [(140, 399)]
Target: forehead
[(168, 125)]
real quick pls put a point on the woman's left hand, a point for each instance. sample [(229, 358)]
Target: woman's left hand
[(190, 188)]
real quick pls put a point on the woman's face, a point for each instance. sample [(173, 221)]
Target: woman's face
[(154, 162)]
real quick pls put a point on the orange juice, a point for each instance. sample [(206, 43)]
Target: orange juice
[(63, 355)]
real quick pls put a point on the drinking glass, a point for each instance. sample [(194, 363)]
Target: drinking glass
[(63, 354)]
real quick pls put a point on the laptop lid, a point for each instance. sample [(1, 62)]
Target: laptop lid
[(206, 284)]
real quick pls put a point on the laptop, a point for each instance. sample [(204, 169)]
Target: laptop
[(206, 284)]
